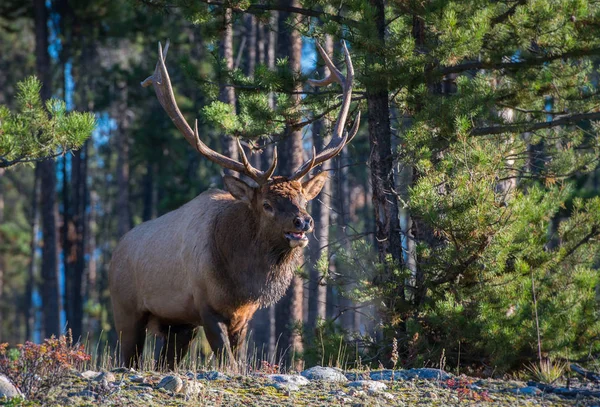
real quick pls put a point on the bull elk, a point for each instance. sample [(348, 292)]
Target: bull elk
[(217, 259)]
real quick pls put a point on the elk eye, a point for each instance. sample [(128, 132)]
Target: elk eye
[(267, 207)]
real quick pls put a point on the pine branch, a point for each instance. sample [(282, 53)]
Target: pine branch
[(525, 127), (508, 13), (476, 65)]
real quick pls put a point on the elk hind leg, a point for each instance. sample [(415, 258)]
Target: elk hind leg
[(176, 342), (132, 335)]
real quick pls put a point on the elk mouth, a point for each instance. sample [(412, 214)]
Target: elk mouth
[(296, 239)]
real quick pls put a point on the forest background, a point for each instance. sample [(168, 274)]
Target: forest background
[(459, 228)]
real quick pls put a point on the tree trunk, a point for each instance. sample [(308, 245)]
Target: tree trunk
[(227, 93), (50, 289), (123, 214), (317, 295), (29, 285), (291, 155), (381, 160)]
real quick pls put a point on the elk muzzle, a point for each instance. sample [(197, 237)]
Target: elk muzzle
[(302, 225)]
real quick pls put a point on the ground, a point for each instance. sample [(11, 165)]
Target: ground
[(325, 387)]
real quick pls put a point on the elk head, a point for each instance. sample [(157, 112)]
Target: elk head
[(279, 202)]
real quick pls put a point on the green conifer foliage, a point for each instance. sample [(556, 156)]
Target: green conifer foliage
[(37, 131)]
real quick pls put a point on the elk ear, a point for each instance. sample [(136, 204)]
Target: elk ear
[(238, 188), (313, 186)]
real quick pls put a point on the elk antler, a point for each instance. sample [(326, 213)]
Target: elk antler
[(164, 92), (338, 139)]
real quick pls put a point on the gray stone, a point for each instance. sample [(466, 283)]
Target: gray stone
[(212, 375), (90, 374), (294, 379), (122, 370), (328, 374), (528, 391), (427, 374), (388, 375), (7, 389), (105, 376), (170, 383), (368, 385)]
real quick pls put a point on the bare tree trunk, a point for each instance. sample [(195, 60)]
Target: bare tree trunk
[(50, 289), (29, 286), (123, 214), (289, 312), (91, 286), (227, 93)]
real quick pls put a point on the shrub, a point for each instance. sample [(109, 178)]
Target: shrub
[(36, 369)]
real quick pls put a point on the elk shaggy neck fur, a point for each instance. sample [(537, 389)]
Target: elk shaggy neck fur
[(257, 264)]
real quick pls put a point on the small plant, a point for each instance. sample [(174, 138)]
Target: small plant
[(464, 389), (268, 368), (546, 371), (395, 355), (36, 369)]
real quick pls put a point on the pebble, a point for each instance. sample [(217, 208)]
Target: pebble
[(369, 385), (212, 375), (171, 383), (328, 374), (7, 389), (427, 373), (388, 375), (137, 379), (108, 376), (528, 390), (295, 380), (89, 374)]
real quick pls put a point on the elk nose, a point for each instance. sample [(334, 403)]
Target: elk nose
[(303, 223)]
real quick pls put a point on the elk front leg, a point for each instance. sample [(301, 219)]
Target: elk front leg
[(215, 328), (237, 339)]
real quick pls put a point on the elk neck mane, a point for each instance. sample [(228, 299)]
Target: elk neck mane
[(253, 264)]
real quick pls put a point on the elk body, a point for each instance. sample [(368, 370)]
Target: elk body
[(217, 259)]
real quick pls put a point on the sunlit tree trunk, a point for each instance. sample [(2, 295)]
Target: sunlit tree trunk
[(227, 93), (289, 309)]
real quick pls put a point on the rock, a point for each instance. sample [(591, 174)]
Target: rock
[(427, 374), (88, 394), (328, 374), (528, 390), (357, 376), (105, 376), (368, 385), (7, 389), (89, 374), (294, 379), (192, 388), (171, 383), (122, 370), (212, 375), (388, 375), (137, 379)]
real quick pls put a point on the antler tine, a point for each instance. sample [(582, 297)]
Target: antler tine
[(339, 138), (161, 83), (260, 177)]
